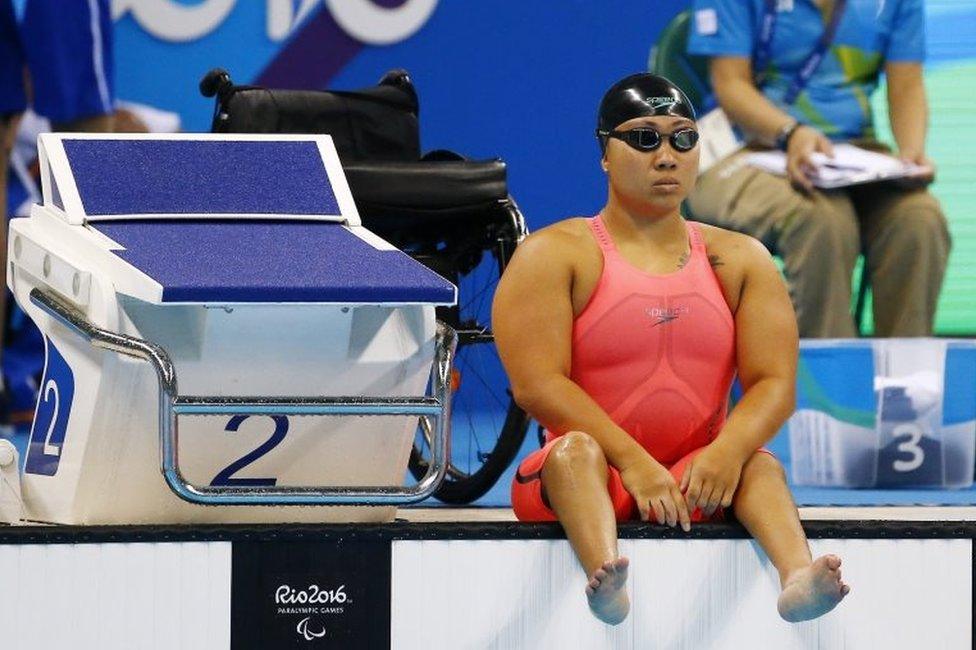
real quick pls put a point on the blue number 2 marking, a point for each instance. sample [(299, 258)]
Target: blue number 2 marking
[(50, 427), (226, 475)]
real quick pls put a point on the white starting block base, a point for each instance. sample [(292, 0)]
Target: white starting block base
[(109, 461)]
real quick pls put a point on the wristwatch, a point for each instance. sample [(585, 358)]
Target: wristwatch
[(784, 134)]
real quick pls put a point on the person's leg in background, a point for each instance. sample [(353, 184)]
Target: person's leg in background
[(69, 53), (8, 134), (57, 56), (13, 101), (8, 131), (817, 237), (907, 247), (8, 123), (90, 124)]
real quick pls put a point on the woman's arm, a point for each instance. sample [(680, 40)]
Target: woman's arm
[(532, 319), (908, 109), (766, 353), (738, 96), (767, 345), (746, 106)]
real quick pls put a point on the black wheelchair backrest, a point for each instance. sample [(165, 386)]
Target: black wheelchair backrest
[(377, 123)]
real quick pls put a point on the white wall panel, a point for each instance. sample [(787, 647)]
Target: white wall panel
[(686, 594), (115, 596)]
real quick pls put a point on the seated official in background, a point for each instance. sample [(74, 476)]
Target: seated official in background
[(800, 83)]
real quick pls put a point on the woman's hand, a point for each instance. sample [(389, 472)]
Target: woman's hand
[(925, 176), (711, 478), (655, 490), (804, 142)]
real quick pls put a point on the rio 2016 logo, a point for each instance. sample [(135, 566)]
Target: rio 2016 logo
[(313, 595), (287, 595), (364, 20)]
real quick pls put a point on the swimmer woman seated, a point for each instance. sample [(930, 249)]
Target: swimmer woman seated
[(622, 333)]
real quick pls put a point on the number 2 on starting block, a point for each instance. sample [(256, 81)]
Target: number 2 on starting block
[(53, 409)]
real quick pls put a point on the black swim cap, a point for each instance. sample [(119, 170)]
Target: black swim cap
[(641, 95)]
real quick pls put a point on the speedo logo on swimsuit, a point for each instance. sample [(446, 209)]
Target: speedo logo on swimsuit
[(664, 315), (660, 102)]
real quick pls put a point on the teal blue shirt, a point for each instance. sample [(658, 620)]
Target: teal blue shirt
[(836, 99)]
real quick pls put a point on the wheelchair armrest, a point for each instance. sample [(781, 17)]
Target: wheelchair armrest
[(428, 184)]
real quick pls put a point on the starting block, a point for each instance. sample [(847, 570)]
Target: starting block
[(216, 323)]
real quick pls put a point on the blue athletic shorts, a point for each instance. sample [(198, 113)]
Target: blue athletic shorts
[(66, 48)]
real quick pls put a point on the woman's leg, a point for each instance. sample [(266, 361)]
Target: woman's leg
[(764, 505), (574, 481)]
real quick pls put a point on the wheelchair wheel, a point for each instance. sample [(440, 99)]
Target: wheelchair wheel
[(487, 426)]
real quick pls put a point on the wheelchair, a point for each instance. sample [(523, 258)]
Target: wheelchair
[(452, 214)]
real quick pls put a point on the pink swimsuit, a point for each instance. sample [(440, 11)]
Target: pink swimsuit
[(657, 353)]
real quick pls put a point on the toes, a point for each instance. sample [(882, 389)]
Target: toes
[(845, 589), (618, 566), (833, 562)]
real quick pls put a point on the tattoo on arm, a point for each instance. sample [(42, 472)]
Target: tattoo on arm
[(683, 260), (715, 260)]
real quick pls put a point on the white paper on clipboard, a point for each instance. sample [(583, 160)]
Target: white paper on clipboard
[(850, 165), (717, 139)]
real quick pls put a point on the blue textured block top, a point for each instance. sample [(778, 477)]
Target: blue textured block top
[(272, 261), (200, 177)]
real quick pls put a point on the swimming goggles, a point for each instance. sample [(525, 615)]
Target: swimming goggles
[(645, 139)]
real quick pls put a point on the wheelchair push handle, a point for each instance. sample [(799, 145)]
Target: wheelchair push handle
[(215, 82)]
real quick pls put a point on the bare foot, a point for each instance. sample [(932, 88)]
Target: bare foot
[(606, 591), (812, 591)]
